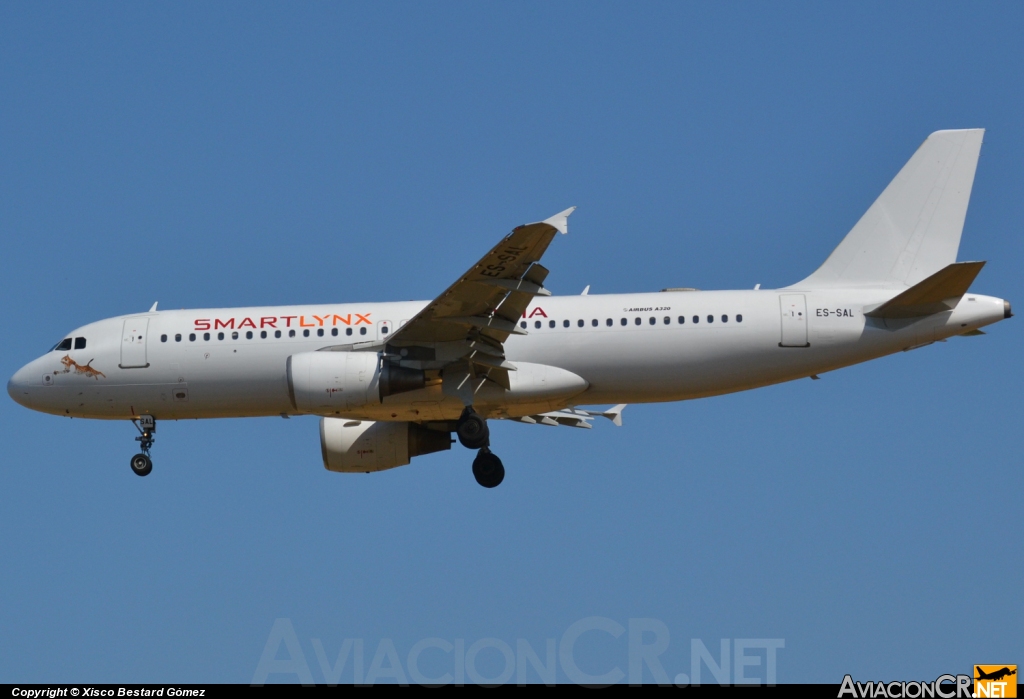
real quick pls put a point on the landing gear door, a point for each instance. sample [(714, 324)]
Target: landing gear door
[(133, 343), (794, 320)]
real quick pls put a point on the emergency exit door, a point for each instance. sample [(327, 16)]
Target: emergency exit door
[(794, 320), (133, 343)]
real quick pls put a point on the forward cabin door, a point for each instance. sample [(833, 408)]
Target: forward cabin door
[(383, 329), (133, 343), (794, 320)]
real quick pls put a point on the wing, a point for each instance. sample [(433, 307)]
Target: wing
[(573, 417), (471, 320)]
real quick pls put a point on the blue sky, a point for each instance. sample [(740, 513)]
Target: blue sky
[(256, 153)]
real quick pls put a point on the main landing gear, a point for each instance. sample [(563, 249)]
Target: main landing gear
[(141, 463), (473, 433)]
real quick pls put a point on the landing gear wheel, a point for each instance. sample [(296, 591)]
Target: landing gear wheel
[(488, 469), (141, 465), (472, 430)]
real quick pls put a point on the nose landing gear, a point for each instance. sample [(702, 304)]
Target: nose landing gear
[(141, 463), (473, 433)]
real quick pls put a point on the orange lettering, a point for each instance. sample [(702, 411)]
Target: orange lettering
[(347, 320), (302, 322), (360, 318)]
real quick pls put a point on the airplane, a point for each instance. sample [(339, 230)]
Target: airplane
[(995, 675), (392, 381)]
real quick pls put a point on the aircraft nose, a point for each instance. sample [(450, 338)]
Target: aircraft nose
[(18, 386)]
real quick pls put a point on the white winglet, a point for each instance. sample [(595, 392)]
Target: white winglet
[(560, 221), (586, 291), (615, 414), (151, 310)]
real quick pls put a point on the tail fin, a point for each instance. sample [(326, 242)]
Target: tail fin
[(913, 228)]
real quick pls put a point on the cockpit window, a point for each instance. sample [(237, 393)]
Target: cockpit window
[(79, 343), (62, 346)]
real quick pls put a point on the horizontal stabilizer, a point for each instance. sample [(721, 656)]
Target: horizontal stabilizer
[(940, 292)]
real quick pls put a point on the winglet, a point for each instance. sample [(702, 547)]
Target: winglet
[(560, 221), (615, 414), (153, 309)]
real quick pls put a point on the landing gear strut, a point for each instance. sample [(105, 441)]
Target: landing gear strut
[(473, 433), (488, 469), (141, 463)]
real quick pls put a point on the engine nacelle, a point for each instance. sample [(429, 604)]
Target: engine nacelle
[(325, 382), (362, 446), (328, 382)]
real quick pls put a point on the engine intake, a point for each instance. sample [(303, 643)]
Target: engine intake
[(354, 446)]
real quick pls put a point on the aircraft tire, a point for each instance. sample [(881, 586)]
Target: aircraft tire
[(488, 469), (141, 465), (472, 431)]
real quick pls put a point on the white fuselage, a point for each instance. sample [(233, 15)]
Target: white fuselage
[(149, 363)]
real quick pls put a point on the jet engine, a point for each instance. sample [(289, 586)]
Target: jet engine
[(327, 382), (362, 446)]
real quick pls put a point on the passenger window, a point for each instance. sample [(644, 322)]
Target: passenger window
[(80, 342), (163, 338), (594, 322), (220, 336), (725, 318), (608, 322), (580, 323), (536, 324), (383, 330), (668, 321), (248, 334), (191, 337), (739, 318), (653, 320), (305, 333), (320, 332), (551, 323), (565, 323), (334, 332), (696, 319), (523, 325), (348, 331), (206, 336), (277, 333), (177, 338), (291, 333), (234, 335), (682, 320), (637, 321), (711, 319), (623, 322), (263, 334), (362, 331)]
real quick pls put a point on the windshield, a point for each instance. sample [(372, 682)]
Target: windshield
[(63, 345)]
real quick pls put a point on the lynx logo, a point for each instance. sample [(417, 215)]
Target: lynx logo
[(995, 680)]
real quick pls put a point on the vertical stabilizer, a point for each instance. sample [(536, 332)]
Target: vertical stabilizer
[(913, 229)]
